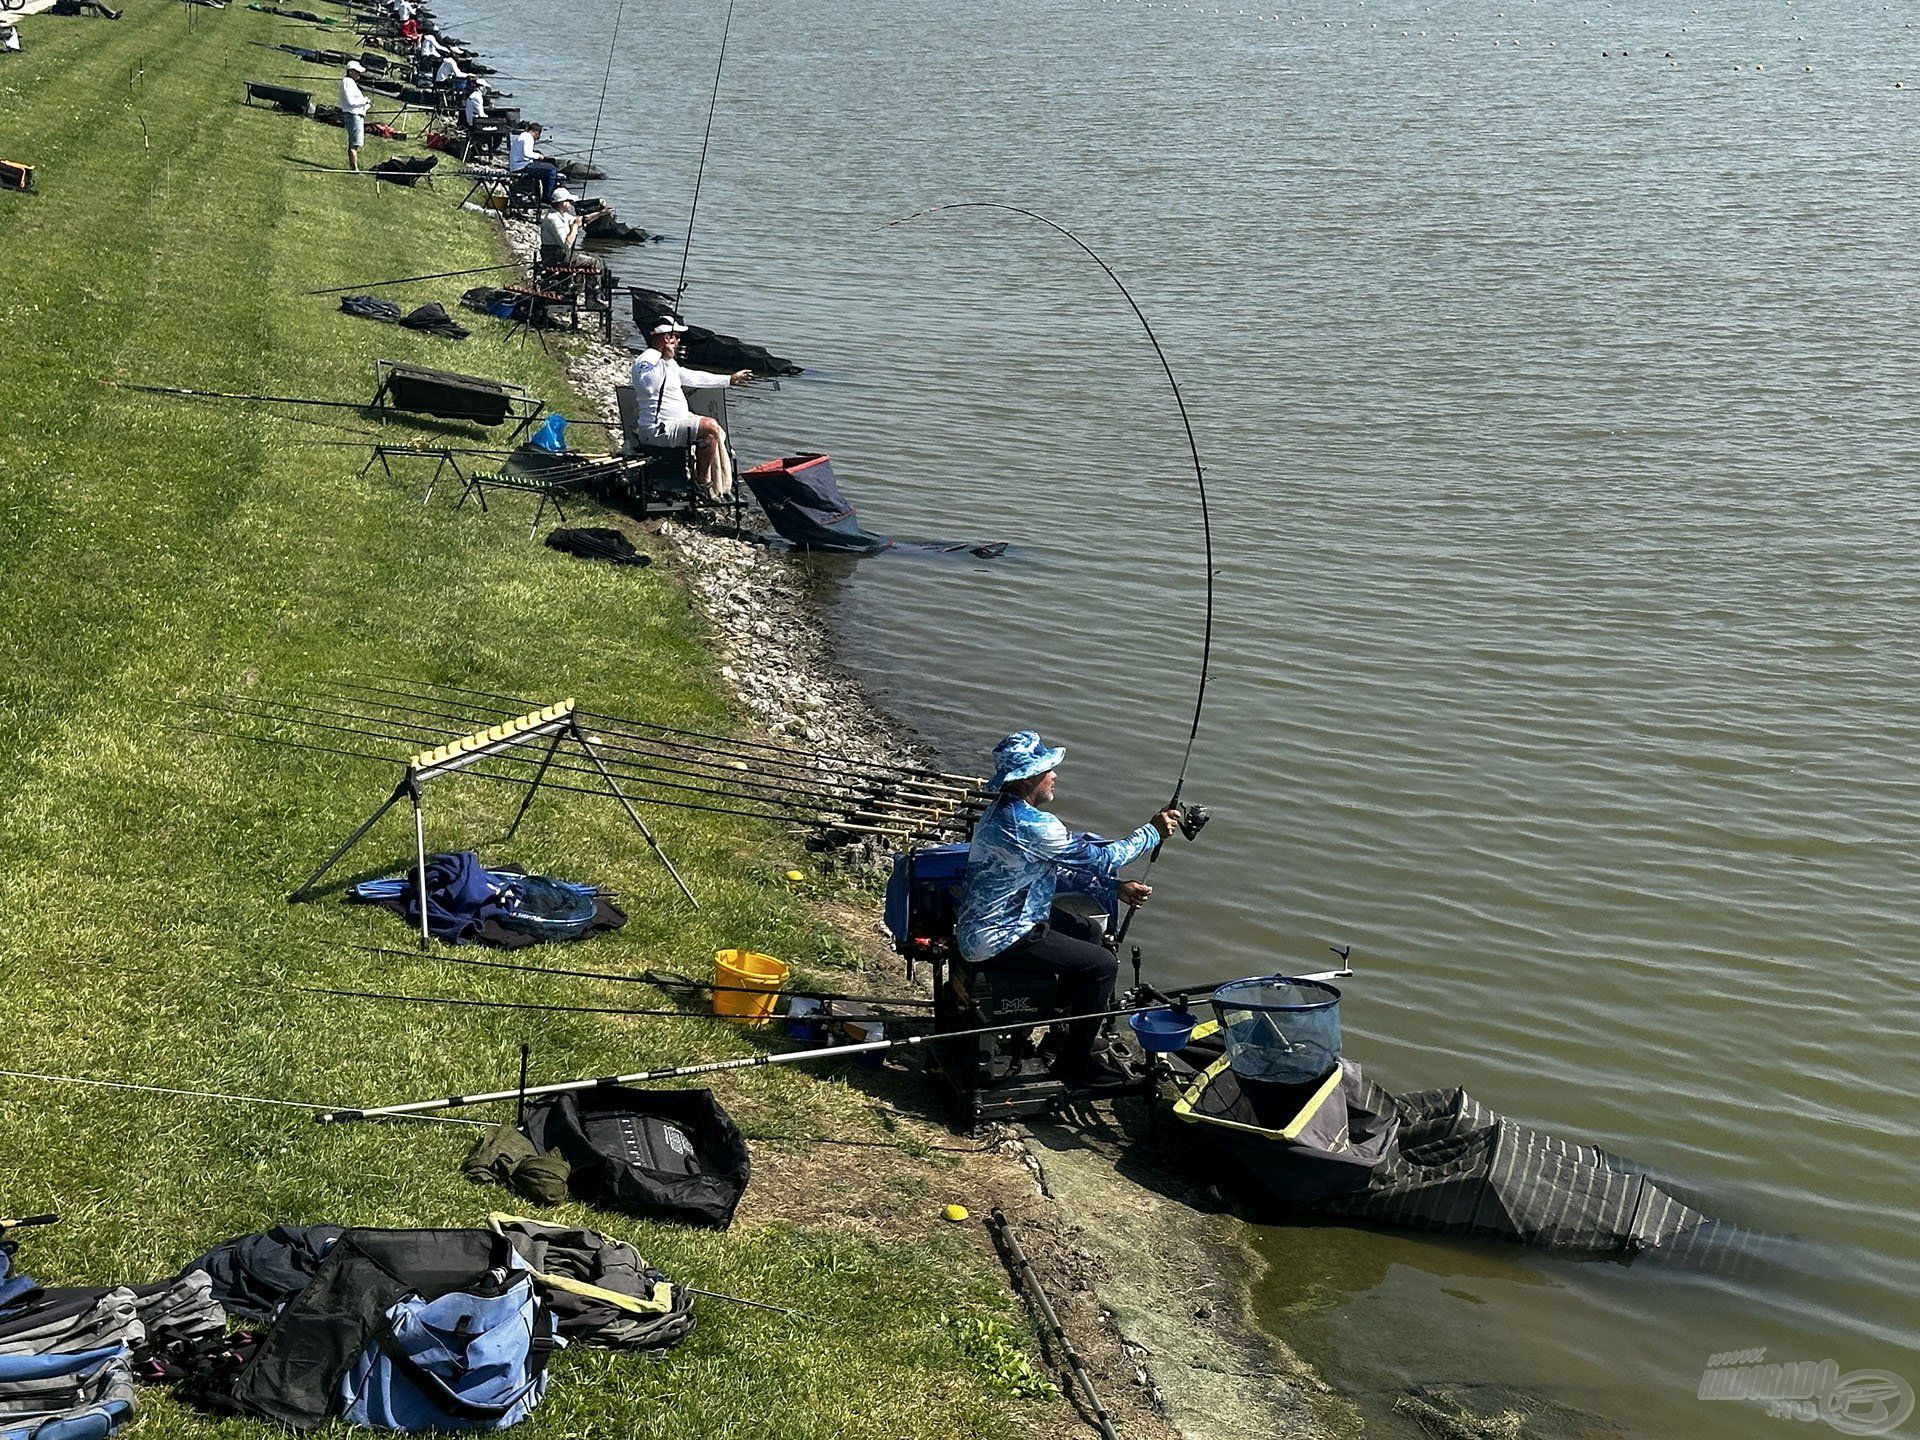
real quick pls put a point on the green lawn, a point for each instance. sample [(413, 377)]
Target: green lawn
[(156, 549)]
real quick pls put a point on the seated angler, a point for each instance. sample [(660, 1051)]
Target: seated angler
[(659, 390), (1020, 854), (448, 73), (524, 159), (473, 109), (560, 231)]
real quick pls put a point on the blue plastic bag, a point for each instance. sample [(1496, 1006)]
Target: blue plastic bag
[(551, 436)]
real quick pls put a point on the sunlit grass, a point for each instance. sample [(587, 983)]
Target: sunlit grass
[(155, 550)]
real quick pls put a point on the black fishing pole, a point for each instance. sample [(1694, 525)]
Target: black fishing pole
[(464, 1004), (458, 1002), (414, 279), (600, 109), (712, 1067), (820, 821), (1028, 1279), (417, 733), (701, 174), (664, 980), (233, 395), (1197, 816), (601, 721)]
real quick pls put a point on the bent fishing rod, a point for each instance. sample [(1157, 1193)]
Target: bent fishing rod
[(1196, 816), (714, 1067), (700, 174)]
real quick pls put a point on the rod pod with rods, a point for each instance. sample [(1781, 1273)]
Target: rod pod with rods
[(714, 1067), (1027, 1280)]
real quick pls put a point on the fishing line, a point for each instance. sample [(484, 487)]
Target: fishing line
[(701, 174)]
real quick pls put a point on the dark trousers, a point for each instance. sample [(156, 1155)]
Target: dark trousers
[(1069, 945), (547, 176)]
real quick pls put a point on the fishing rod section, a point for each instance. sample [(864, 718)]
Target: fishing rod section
[(1027, 1279), (659, 979), (748, 1062), (835, 796)]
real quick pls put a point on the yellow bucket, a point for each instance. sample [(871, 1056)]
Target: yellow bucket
[(745, 969)]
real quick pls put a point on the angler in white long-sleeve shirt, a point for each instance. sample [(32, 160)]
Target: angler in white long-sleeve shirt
[(523, 158), (353, 111), (660, 384)]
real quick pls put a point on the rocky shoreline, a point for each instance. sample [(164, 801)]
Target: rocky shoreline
[(775, 656)]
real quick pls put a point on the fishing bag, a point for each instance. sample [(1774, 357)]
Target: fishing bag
[(471, 1359), (375, 1290), (660, 1154), (82, 1395)]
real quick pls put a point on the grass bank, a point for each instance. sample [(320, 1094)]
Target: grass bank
[(156, 549)]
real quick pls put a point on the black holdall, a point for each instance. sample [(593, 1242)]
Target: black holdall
[(659, 1154)]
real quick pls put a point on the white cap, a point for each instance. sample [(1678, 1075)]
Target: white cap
[(666, 324), (356, 65), (562, 195)]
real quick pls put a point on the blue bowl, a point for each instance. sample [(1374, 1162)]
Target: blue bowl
[(1161, 1032)]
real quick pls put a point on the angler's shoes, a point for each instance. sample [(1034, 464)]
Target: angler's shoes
[(1097, 1069)]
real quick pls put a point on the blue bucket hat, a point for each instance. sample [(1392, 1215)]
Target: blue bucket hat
[(1021, 756)]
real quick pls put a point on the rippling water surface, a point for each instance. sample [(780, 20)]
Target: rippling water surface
[(1554, 372)]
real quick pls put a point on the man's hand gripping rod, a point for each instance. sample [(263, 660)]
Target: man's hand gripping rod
[(1193, 819)]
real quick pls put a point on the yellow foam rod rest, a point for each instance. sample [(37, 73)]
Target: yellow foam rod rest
[(491, 735)]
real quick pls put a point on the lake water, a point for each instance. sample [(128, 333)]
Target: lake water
[(1554, 372)]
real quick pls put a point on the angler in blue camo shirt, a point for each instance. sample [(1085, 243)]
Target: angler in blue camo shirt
[(1019, 856)]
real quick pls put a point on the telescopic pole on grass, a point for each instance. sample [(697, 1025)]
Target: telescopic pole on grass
[(713, 1067), (1028, 1280)]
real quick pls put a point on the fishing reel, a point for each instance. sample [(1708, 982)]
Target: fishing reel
[(1192, 819)]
